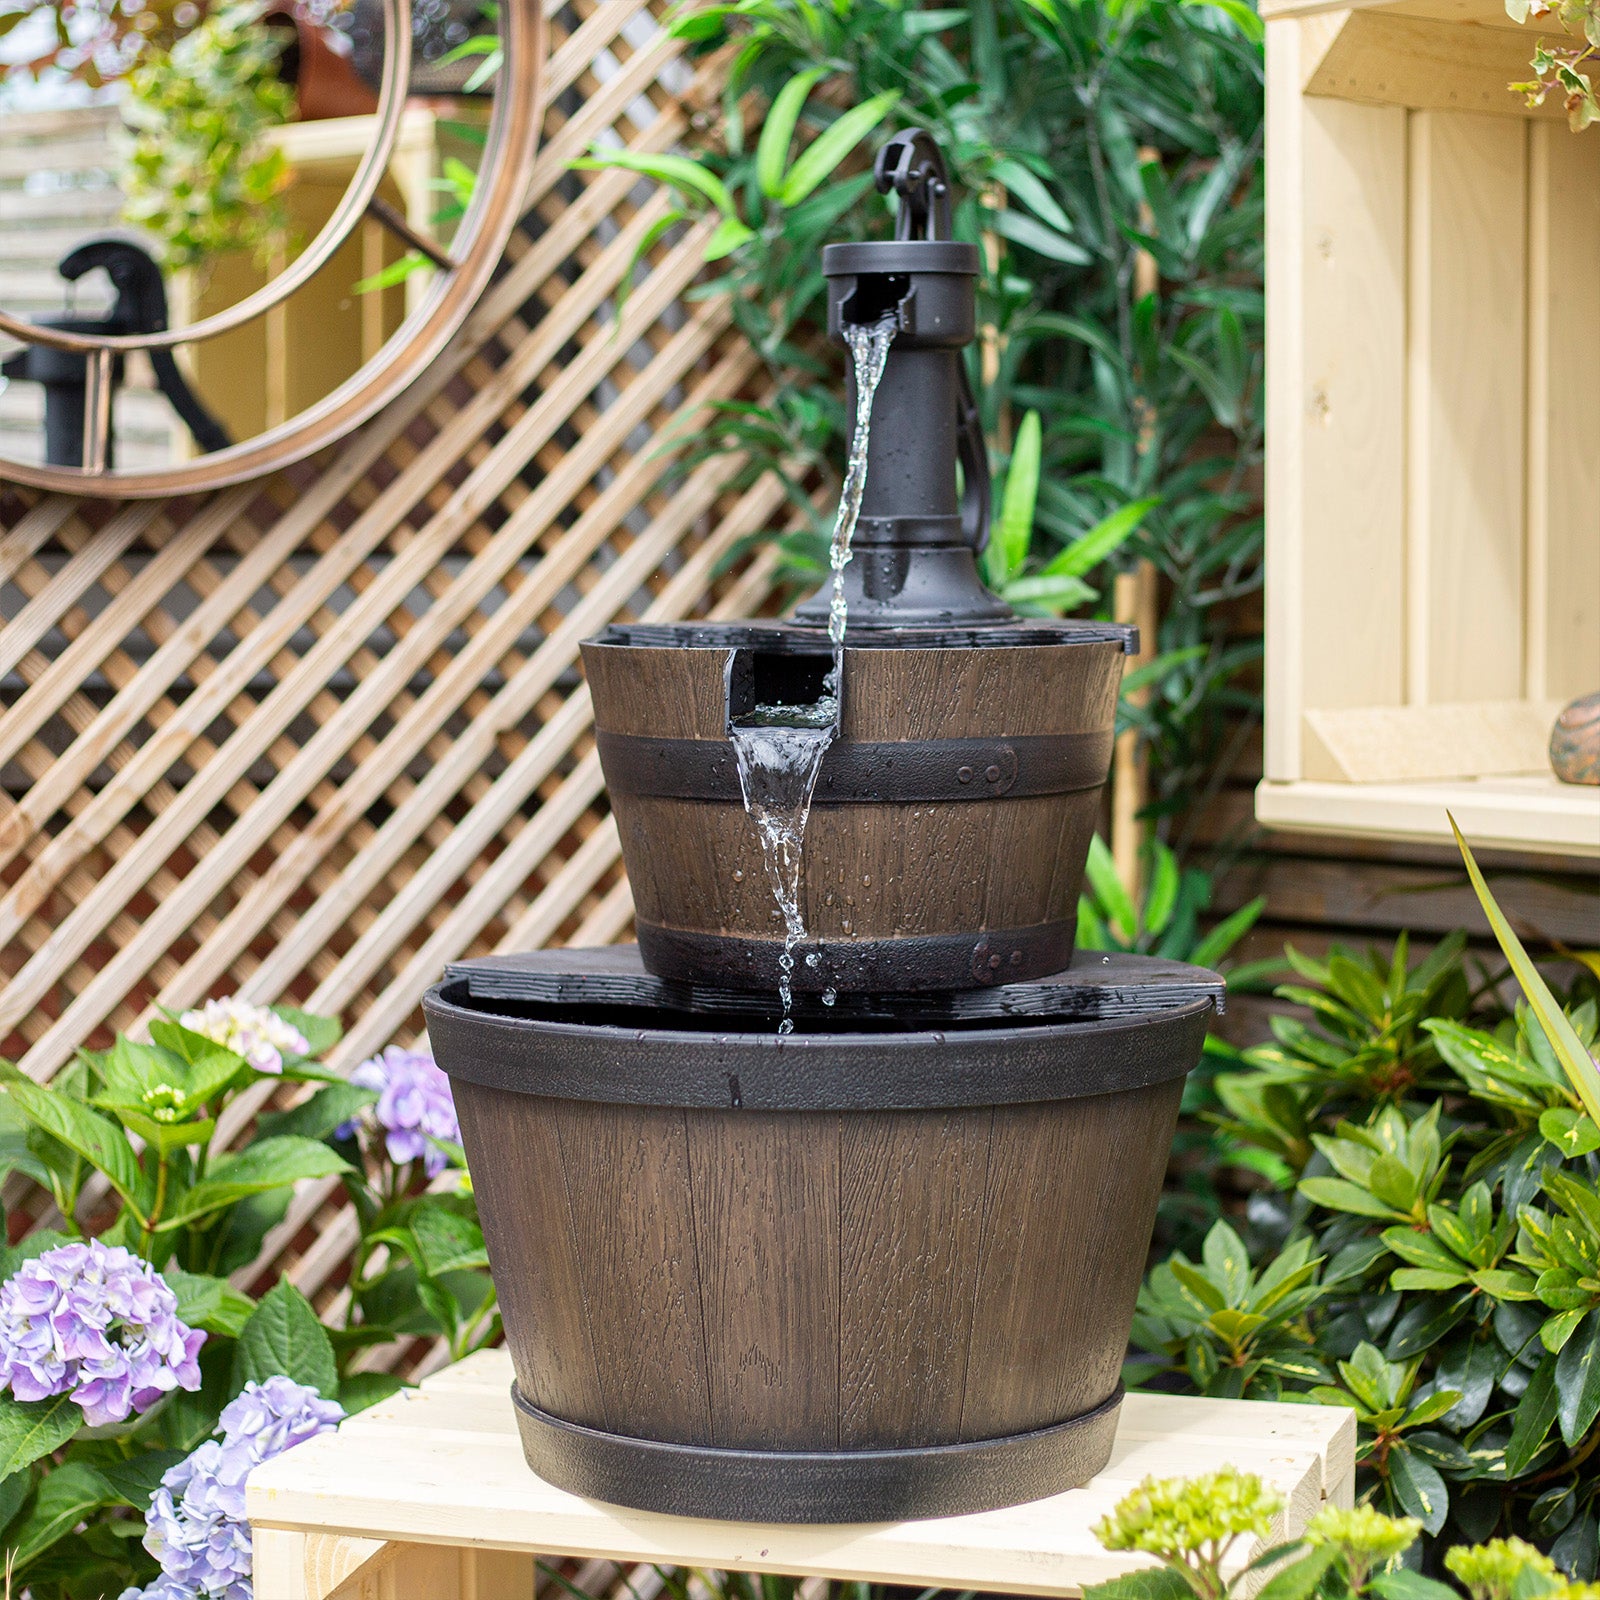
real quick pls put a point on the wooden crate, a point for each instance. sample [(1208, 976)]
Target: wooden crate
[(1433, 490)]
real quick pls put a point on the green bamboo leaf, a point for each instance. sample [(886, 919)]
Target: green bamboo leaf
[(1032, 234), (1084, 554), (832, 145), (678, 172), (1227, 933), (772, 150), (1030, 189), (1569, 1048), (1104, 880), (1013, 532), (729, 235)]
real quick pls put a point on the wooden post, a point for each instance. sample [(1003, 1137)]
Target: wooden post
[(1134, 600)]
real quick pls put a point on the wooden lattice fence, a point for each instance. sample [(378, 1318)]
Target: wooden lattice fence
[(311, 738)]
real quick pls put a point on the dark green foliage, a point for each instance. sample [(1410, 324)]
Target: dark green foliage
[(1429, 1255)]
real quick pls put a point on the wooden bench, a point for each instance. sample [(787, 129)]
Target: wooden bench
[(427, 1497)]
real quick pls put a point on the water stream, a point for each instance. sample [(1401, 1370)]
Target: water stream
[(779, 749)]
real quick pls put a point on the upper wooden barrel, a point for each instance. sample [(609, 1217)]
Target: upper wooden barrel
[(950, 823)]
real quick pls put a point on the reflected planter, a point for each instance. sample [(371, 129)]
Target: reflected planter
[(828, 1277)]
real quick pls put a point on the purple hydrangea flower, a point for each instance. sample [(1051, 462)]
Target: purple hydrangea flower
[(257, 1033), (95, 1321), (414, 1105), (196, 1526)]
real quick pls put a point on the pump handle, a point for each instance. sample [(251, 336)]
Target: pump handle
[(912, 165), (141, 307)]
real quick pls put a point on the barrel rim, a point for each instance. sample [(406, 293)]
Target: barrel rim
[(1027, 1061)]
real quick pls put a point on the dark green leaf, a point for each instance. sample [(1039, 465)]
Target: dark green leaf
[(210, 1303), (1578, 1381), (33, 1428), (285, 1336), (267, 1164), (1159, 1583), (1403, 1584), (1301, 1579), (1418, 1488), (1535, 1412), (363, 1389), (317, 1116), (65, 1498), (445, 1241), (136, 1478)]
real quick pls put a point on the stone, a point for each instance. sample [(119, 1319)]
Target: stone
[(1575, 741)]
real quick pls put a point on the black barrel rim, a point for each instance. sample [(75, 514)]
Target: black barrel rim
[(529, 1050), (827, 1486)]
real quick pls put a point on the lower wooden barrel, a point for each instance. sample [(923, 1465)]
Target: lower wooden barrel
[(820, 1278), (950, 823)]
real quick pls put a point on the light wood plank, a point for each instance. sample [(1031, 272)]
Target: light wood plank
[(1563, 617), (1399, 744), (1350, 425), (1564, 818), (1466, 407), (1384, 58)]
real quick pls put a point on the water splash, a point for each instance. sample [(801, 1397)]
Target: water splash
[(779, 749), (778, 766)]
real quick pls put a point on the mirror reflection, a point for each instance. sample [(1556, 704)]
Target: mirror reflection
[(162, 159)]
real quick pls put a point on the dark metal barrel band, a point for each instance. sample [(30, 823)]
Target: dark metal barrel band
[(827, 1486), (862, 772), (862, 966)]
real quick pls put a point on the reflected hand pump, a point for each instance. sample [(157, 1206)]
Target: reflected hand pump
[(140, 307)]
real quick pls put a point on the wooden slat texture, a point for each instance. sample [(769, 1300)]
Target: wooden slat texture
[(310, 739), (442, 1466)]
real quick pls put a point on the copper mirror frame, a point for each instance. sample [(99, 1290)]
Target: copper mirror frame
[(463, 273)]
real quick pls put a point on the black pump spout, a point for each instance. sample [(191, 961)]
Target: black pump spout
[(915, 546)]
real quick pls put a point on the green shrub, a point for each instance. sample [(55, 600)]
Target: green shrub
[(194, 170), (1109, 156), (1429, 1254), (1202, 1531)]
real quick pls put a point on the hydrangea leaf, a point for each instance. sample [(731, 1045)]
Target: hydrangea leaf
[(284, 1336), (65, 1498), (267, 1164), (135, 1479), (210, 1303), (318, 1116), (33, 1428), (97, 1139)]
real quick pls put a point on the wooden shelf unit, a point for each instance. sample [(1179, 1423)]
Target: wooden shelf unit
[(1433, 473)]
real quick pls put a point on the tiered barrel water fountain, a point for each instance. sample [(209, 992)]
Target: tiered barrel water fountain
[(829, 1200)]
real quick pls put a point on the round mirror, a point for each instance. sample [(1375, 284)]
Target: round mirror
[(230, 231)]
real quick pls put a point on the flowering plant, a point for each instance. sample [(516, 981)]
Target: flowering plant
[(1212, 1537), (138, 1378)]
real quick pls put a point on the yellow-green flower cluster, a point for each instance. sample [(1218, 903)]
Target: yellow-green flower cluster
[(1490, 1571), (1362, 1534), (1180, 1516)]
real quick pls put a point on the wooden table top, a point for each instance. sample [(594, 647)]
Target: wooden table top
[(443, 1465)]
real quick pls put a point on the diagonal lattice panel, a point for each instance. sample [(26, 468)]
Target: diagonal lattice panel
[(311, 738)]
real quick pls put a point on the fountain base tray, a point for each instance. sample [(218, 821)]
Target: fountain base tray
[(900, 1485)]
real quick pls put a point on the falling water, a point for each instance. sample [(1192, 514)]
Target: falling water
[(869, 349), (779, 749)]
